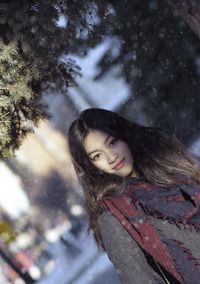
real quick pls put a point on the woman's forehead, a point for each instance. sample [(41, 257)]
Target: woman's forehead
[(95, 139)]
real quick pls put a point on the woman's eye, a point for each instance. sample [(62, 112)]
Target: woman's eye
[(113, 142), (97, 156)]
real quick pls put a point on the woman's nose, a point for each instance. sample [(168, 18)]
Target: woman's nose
[(112, 157)]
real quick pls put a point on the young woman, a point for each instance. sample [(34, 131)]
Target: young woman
[(142, 197)]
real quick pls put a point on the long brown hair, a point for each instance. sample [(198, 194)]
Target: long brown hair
[(159, 157)]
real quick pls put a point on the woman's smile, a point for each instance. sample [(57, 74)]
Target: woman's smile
[(119, 165)]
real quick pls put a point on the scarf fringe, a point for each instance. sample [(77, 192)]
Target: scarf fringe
[(179, 223), (191, 276), (187, 252)]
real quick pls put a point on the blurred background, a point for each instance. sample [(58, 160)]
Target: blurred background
[(138, 58)]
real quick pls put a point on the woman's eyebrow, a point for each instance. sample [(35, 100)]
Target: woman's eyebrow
[(92, 152), (107, 139)]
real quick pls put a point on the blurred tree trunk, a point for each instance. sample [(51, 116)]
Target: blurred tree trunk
[(189, 11)]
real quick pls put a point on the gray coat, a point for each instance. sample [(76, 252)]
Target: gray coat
[(131, 263)]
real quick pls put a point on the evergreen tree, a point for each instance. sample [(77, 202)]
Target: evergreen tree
[(157, 49), (159, 55), (31, 46)]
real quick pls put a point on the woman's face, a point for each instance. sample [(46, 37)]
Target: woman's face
[(109, 154)]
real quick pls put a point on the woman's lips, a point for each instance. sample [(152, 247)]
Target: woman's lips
[(119, 165)]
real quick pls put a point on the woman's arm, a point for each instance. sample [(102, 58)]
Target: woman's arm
[(127, 257)]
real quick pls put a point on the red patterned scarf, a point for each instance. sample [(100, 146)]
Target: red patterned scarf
[(178, 204)]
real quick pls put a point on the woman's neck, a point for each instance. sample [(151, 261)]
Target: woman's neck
[(133, 174)]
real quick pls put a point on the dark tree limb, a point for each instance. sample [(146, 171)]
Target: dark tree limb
[(189, 11)]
